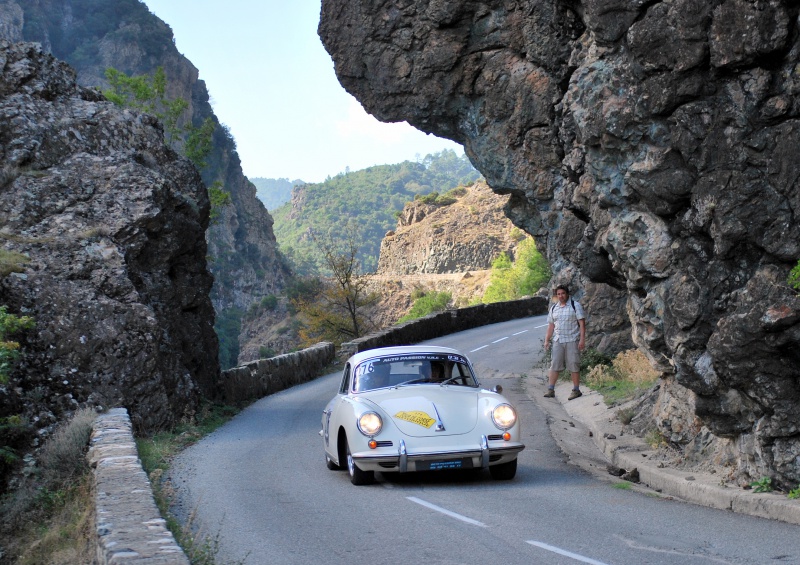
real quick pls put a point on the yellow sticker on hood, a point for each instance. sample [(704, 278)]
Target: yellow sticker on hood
[(416, 417)]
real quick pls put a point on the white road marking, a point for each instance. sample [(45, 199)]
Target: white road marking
[(544, 326), (481, 347), (566, 553), (446, 512), (522, 332), (501, 339)]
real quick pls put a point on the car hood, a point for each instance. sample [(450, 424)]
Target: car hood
[(428, 411)]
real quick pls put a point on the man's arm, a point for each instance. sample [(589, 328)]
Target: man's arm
[(582, 342), (550, 328)]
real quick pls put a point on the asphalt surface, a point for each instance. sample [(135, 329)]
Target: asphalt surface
[(258, 486)]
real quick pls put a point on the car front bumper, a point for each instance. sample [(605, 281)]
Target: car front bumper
[(404, 459)]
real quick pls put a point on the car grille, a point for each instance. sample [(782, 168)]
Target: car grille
[(386, 443), (497, 437)]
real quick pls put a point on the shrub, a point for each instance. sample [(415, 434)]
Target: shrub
[(63, 457), (9, 350), (764, 484), (427, 304), (794, 277), (654, 438), (270, 302), (628, 375), (428, 198)]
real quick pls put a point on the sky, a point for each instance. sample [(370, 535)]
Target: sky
[(272, 83)]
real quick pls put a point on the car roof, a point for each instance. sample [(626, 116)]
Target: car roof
[(400, 350)]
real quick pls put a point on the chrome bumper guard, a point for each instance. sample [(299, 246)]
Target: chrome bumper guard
[(402, 458)]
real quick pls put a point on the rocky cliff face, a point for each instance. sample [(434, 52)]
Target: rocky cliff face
[(113, 223), (465, 235), (442, 248), (650, 147), (95, 35)]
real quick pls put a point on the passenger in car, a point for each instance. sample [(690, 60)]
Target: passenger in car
[(437, 372)]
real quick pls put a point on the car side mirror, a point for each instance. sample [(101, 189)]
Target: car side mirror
[(498, 389)]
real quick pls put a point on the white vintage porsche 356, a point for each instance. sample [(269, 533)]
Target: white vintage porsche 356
[(417, 408)]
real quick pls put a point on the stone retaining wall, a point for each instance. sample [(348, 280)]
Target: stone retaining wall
[(267, 376), (129, 527), (443, 323)]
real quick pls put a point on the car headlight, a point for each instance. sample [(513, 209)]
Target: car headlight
[(504, 416), (370, 424)]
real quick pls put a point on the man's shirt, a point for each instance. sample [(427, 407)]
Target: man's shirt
[(565, 319)]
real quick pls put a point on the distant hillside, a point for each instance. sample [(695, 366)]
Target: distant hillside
[(274, 192), (371, 198)]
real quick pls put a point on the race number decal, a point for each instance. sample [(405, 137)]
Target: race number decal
[(416, 417)]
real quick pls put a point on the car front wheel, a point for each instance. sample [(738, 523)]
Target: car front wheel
[(330, 464), (504, 471), (357, 476)]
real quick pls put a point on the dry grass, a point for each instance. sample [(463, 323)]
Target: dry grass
[(629, 374), (12, 262), (49, 519)]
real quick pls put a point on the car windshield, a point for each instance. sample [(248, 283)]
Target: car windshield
[(413, 369)]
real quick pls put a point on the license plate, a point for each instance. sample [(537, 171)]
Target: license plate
[(444, 465)]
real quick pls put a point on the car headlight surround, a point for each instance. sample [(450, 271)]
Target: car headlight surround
[(504, 416), (370, 423)]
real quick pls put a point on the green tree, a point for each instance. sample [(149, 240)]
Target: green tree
[(219, 199), (147, 93), (522, 277)]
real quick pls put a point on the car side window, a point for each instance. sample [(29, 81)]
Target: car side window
[(345, 386)]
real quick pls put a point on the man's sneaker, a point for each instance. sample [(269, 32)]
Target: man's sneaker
[(574, 394), (550, 393)]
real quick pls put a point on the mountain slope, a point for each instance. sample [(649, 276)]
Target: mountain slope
[(369, 198), (274, 192)]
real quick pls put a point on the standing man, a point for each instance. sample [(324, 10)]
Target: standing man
[(566, 325)]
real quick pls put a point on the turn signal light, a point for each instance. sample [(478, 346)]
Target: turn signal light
[(372, 444), (507, 436)]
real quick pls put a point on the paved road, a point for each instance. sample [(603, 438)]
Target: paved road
[(260, 486)]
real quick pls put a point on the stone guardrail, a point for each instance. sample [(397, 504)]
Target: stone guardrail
[(130, 528), (450, 321), (259, 378)]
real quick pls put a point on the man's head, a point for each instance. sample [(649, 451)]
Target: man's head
[(562, 293)]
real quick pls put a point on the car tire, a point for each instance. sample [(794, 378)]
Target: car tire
[(330, 464), (504, 471), (357, 476)]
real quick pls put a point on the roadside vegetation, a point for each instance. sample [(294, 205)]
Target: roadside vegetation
[(624, 377), (627, 376), (523, 276), (48, 515), (334, 307), (794, 277), (156, 454), (426, 303)]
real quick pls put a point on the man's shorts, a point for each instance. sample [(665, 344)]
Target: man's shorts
[(568, 352)]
